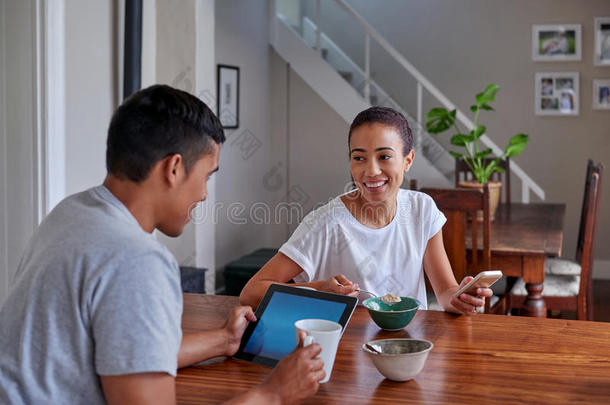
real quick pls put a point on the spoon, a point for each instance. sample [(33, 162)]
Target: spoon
[(361, 290), (368, 292), (372, 348)]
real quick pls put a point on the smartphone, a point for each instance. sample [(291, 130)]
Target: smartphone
[(483, 279)]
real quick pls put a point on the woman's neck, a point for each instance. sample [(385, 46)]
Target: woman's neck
[(372, 214)]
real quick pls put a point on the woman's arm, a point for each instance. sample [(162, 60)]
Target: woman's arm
[(281, 269), (438, 270)]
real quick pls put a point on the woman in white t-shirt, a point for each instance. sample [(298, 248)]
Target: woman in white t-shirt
[(377, 237)]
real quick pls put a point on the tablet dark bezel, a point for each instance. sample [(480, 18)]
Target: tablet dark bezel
[(350, 305)]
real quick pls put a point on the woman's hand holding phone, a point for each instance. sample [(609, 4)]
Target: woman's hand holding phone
[(472, 291)]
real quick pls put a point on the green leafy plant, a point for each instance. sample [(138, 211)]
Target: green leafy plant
[(440, 120)]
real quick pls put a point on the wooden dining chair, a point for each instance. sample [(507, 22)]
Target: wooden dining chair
[(463, 173), (568, 284), (459, 207)]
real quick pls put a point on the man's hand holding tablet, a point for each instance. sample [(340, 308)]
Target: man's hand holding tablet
[(235, 326)]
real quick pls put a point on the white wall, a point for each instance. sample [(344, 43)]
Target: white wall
[(4, 277), (3, 258), (90, 91), (242, 39), (318, 164), (175, 66), (18, 132), (205, 231)]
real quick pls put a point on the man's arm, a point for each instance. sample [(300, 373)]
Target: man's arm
[(213, 343), (141, 388)]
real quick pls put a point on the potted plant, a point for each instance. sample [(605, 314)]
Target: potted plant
[(480, 162)]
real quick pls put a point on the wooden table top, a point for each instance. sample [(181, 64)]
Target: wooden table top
[(523, 229), (481, 359)]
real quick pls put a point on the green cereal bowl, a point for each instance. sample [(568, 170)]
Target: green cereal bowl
[(392, 317)]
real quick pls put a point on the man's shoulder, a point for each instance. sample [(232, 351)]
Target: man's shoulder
[(87, 224)]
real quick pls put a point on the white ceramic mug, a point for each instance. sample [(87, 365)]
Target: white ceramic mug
[(327, 334)]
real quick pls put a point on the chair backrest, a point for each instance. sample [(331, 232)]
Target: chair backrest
[(460, 206), (463, 173), (588, 226)]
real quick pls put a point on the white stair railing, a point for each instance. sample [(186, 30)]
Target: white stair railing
[(528, 185), (341, 62)]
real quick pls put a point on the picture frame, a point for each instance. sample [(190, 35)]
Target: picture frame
[(227, 107), (601, 46), (601, 94), (556, 42), (557, 93)]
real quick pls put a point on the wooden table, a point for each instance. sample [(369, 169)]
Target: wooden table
[(522, 236), (475, 360)]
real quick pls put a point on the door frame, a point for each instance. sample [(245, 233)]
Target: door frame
[(47, 110), (50, 104), (4, 274)]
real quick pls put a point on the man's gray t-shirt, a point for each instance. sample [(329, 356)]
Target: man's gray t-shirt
[(94, 294)]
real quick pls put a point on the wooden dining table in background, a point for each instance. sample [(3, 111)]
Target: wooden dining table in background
[(522, 237), (479, 359)]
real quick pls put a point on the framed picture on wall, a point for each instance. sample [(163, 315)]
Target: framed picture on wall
[(601, 53), (556, 93), (601, 94), (227, 107), (551, 43)]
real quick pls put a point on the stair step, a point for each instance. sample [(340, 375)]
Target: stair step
[(346, 75)]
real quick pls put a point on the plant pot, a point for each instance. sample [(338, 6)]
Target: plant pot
[(495, 187)]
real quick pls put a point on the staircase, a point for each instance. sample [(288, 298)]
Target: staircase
[(349, 88)]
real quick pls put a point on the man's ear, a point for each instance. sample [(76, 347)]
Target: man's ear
[(172, 168), (408, 160)]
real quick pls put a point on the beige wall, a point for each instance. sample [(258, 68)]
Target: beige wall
[(463, 45)]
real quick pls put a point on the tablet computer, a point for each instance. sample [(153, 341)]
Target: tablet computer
[(273, 335)]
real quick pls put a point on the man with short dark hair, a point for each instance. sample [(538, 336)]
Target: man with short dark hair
[(95, 312)]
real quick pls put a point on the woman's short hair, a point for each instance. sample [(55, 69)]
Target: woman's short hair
[(154, 123), (386, 116)]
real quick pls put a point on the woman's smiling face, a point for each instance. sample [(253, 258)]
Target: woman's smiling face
[(377, 162)]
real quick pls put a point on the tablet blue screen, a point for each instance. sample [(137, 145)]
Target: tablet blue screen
[(274, 335)]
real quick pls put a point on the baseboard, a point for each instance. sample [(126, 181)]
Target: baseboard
[(601, 270)]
